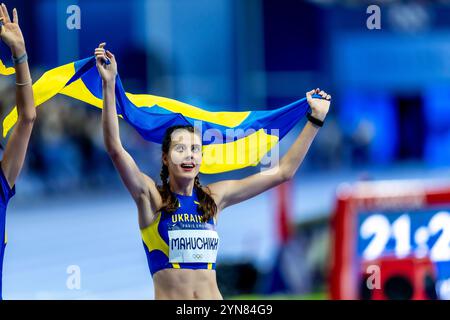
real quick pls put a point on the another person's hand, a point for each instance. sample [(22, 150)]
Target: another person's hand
[(108, 71), (319, 107), (10, 32)]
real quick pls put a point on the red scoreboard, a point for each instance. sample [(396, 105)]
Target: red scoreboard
[(391, 240)]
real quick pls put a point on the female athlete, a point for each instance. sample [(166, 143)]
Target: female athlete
[(178, 218)]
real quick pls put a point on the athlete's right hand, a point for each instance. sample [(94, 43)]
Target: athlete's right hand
[(10, 31), (108, 71)]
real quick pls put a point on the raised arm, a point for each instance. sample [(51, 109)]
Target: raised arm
[(141, 187), (229, 192), (16, 147)]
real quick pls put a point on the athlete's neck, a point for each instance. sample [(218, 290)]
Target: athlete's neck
[(181, 187)]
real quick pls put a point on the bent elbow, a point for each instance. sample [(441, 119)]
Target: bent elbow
[(113, 149), (287, 176), (114, 153), (27, 118)]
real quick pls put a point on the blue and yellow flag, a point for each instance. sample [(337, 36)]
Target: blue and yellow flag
[(231, 140)]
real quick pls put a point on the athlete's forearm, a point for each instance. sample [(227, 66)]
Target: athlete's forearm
[(110, 122), (292, 160), (24, 93)]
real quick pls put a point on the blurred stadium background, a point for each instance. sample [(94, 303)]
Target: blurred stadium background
[(390, 120)]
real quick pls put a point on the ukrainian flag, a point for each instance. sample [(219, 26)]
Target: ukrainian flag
[(231, 140)]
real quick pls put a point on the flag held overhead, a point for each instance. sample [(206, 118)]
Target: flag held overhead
[(231, 140)]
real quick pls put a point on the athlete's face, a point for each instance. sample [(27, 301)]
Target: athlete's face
[(185, 154)]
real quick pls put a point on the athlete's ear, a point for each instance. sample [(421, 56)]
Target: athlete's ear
[(164, 159)]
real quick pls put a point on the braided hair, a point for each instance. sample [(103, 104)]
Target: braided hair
[(169, 200)]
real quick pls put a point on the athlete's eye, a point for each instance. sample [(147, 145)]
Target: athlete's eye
[(179, 148), (196, 148)]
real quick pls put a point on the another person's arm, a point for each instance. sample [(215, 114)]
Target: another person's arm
[(16, 147), (229, 192), (141, 187)]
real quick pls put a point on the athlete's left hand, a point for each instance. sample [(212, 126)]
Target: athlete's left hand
[(10, 31), (319, 107), (108, 72)]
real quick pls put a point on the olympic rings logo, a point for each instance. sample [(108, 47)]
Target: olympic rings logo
[(197, 256)]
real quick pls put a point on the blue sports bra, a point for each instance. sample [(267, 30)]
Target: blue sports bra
[(180, 240)]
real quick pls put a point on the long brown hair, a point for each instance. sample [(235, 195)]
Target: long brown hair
[(169, 200)]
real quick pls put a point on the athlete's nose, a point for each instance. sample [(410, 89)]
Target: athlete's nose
[(189, 157), (190, 154)]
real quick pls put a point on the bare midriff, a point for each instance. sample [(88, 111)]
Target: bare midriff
[(186, 284)]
